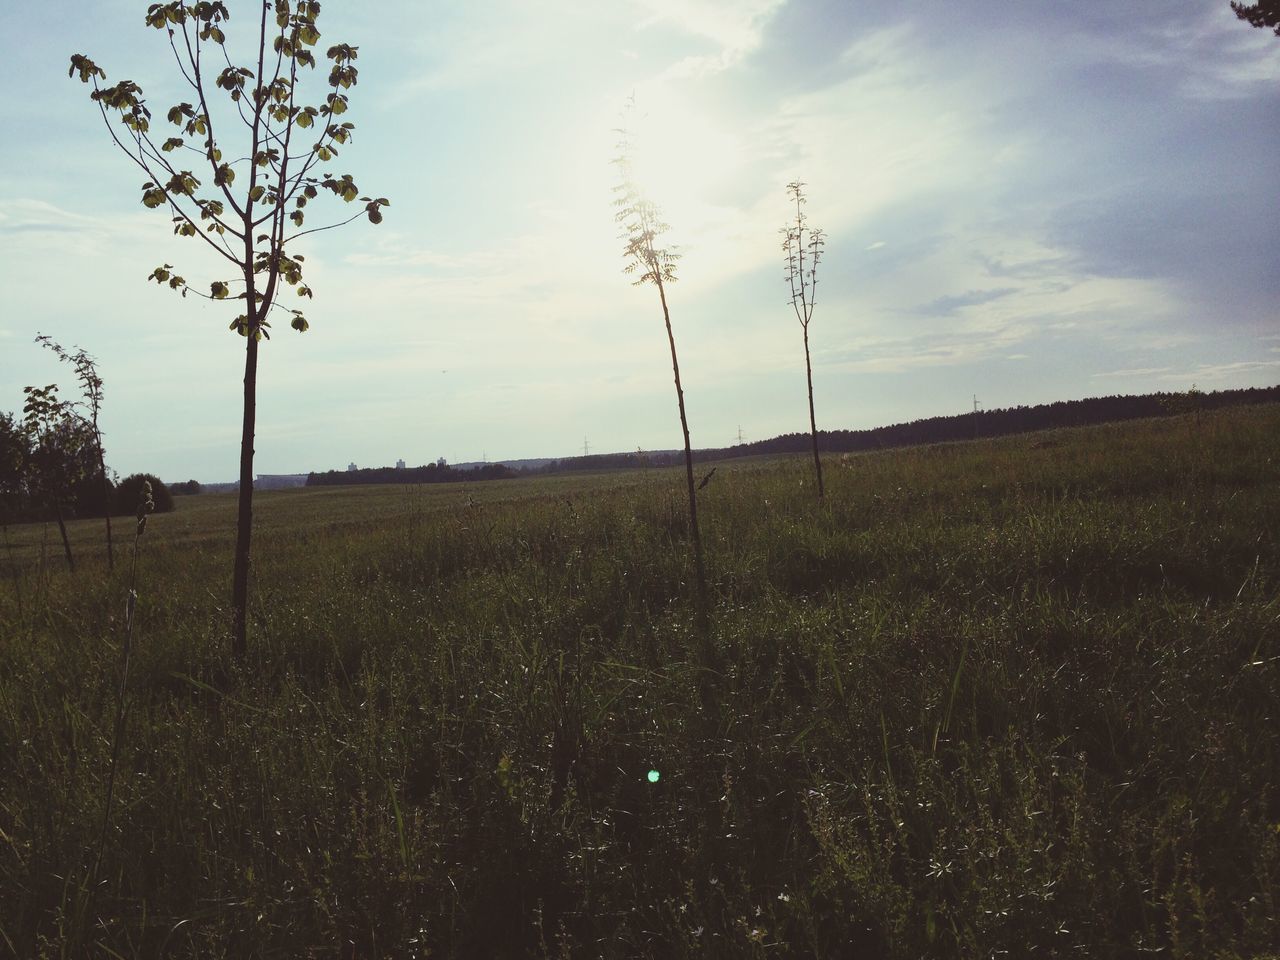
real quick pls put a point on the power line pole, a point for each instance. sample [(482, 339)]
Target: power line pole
[(586, 447), (740, 433), (975, 416)]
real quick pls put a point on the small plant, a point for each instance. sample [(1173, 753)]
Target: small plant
[(798, 238), (91, 386), (651, 262)]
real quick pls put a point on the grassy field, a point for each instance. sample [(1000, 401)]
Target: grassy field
[(1011, 698)]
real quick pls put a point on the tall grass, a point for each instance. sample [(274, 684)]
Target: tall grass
[(1013, 696)]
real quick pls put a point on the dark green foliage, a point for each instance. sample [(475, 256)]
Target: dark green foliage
[(1012, 697), (128, 494), (186, 488), (431, 473), (15, 447), (1263, 13)]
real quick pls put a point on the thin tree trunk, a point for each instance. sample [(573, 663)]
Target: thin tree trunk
[(106, 500), (688, 453), (62, 529), (244, 520), (813, 424)]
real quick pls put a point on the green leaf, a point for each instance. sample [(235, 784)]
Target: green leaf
[(299, 323), (86, 67), (256, 193), (218, 290)]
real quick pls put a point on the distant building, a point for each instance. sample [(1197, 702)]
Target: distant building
[(399, 464), (351, 467)]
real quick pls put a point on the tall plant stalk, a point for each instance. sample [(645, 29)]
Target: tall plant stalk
[(800, 239), (145, 506), (651, 262)]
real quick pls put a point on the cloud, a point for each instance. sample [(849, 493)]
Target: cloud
[(27, 215), (1222, 371), (735, 30), (1134, 372), (944, 306)]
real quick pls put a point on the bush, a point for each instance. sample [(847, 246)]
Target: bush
[(129, 494), (187, 488)]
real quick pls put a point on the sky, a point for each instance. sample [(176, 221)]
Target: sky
[(1024, 202)]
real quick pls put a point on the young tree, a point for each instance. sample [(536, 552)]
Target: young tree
[(57, 439), (802, 277), (650, 262), (261, 146), (91, 387)]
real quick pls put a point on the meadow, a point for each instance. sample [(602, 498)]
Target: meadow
[(1002, 698)]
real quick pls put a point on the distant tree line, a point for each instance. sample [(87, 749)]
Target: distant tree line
[(965, 426), (1012, 420), (56, 469), (439, 472)]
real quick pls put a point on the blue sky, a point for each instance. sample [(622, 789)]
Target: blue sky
[(1030, 202)]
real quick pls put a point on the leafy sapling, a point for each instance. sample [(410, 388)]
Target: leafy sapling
[(803, 245), (55, 463), (91, 387), (649, 261), (260, 145)]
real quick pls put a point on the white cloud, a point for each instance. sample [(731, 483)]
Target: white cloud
[(1222, 371), (734, 28), (1134, 372)]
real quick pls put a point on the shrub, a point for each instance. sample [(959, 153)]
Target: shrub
[(129, 493)]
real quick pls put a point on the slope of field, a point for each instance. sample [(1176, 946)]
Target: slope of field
[(1013, 697)]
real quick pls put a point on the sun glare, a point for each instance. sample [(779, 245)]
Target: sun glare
[(681, 159)]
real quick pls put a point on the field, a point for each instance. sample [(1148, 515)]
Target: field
[(1002, 698)]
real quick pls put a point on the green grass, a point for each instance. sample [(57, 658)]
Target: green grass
[(1008, 698)]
